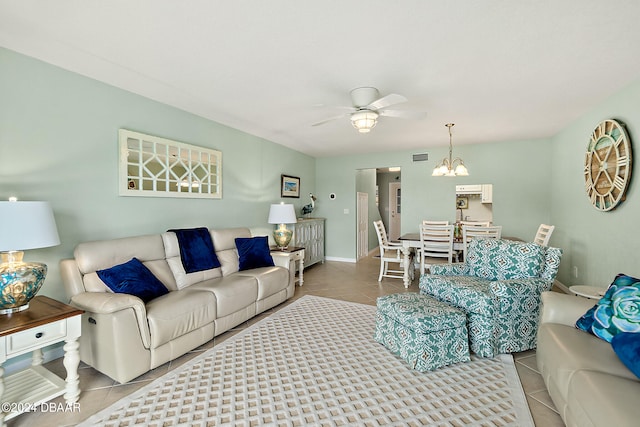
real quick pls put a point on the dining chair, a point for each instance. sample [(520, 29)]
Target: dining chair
[(390, 252), (476, 232), (544, 234), (434, 222), (436, 241), (476, 223)]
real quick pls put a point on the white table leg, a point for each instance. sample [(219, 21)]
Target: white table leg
[(301, 270), (2, 423), (71, 362), (36, 357), (405, 276)]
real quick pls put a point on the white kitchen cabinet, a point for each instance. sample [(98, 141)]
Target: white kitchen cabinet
[(487, 193)]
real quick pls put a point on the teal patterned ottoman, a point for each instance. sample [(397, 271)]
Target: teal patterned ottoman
[(423, 331)]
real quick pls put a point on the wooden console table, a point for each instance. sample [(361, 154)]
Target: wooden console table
[(45, 322)]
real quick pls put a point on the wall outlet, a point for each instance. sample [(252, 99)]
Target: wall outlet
[(346, 211), (575, 271)]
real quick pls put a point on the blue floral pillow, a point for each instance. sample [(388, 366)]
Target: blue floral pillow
[(617, 311), (627, 347), (133, 278), (253, 252)]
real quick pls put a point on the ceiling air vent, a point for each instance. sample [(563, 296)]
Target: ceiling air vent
[(422, 157)]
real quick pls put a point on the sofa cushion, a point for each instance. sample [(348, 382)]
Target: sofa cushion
[(179, 313), (253, 252), (627, 346), (471, 294), (497, 259), (617, 311), (232, 293), (133, 278), (182, 278), (225, 243), (564, 350), (271, 280), (598, 399)]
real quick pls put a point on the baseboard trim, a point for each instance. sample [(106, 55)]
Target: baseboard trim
[(564, 288), (332, 258)]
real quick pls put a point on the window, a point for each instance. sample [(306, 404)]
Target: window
[(158, 167)]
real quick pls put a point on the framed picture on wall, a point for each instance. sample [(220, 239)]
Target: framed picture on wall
[(462, 202), (289, 186)]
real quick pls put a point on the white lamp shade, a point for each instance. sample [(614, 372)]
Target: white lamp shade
[(27, 225), (282, 214)]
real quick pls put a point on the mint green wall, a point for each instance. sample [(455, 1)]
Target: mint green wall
[(600, 244), (59, 142), (519, 172)]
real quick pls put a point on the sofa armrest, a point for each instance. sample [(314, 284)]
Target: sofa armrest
[(520, 287), (107, 303), (563, 309), (71, 277), (453, 269)]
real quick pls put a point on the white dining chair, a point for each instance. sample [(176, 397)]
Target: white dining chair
[(434, 222), (475, 232), (436, 245), (390, 252), (544, 234), (476, 223)]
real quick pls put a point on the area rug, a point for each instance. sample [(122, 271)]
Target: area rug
[(315, 362)]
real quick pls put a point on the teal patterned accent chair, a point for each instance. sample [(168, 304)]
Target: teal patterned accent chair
[(498, 287)]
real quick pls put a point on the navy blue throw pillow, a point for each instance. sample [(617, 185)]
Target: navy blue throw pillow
[(133, 278), (254, 252), (196, 249), (627, 347)]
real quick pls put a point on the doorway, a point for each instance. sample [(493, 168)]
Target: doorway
[(395, 210), (362, 212)]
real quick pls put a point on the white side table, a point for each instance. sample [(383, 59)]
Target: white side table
[(284, 258), (591, 292), (45, 322)]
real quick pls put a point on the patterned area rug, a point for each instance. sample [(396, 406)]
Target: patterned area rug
[(315, 363)]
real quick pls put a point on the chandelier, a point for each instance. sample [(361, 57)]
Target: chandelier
[(448, 167)]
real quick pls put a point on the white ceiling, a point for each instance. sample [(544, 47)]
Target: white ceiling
[(502, 70)]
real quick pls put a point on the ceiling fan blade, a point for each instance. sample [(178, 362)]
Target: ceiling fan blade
[(404, 114), (330, 119), (386, 101)]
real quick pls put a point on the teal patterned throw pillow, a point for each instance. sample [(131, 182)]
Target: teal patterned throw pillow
[(617, 311)]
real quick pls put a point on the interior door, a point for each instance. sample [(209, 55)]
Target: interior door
[(363, 225), (395, 208)]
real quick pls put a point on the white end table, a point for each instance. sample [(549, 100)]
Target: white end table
[(591, 292), (284, 258), (45, 322)]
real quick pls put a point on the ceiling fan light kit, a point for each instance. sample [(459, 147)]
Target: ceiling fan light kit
[(367, 106), (364, 120), (449, 167)]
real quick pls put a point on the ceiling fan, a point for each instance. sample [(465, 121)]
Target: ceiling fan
[(368, 106)]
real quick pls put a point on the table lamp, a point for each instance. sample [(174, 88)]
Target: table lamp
[(282, 214), (23, 225)]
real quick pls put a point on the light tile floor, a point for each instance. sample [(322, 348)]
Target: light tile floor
[(346, 281)]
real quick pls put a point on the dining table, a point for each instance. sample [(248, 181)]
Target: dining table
[(412, 241)]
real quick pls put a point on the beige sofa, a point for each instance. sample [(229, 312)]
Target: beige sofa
[(123, 338), (586, 380)]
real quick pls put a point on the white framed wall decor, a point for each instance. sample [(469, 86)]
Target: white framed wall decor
[(151, 166)]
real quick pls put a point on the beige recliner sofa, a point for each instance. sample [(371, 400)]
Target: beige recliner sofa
[(123, 337), (586, 380)]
